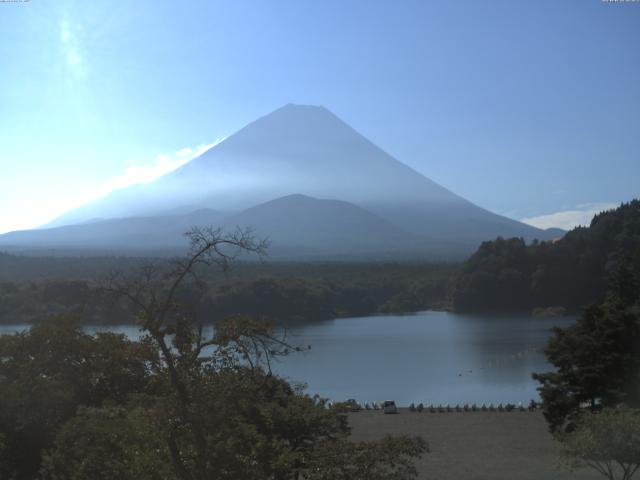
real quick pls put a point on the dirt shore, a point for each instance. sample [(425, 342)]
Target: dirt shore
[(475, 445)]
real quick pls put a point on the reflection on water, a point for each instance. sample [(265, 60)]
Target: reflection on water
[(429, 357)]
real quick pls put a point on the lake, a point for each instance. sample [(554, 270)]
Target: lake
[(429, 357)]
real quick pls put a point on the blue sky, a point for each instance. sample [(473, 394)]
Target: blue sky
[(530, 109)]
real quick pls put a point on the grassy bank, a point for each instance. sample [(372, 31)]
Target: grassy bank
[(474, 446)]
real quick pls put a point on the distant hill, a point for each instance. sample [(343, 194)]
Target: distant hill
[(571, 272), (117, 234), (322, 226), (296, 226), (555, 233), (302, 150)]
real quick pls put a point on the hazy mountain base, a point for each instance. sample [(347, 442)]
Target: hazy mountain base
[(298, 227)]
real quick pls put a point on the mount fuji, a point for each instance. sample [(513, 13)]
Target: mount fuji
[(300, 176)]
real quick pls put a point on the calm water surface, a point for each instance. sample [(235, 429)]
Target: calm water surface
[(429, 357)]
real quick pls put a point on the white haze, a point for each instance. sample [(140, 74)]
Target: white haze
[(37, 211)]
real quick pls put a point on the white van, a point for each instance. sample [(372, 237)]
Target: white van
[(389, 407)]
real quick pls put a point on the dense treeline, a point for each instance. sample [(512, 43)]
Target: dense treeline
[(507, 274), (32, 302), (591, 400), (282, 293), (296, 300), (25, 268), (597, 359)]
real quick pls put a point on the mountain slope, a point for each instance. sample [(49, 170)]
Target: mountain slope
[(135, 233), (306, 149), (293, 149), (296, 225), (323, 226)]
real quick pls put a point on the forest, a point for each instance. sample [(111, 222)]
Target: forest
[(31, 289), (508, 274)]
